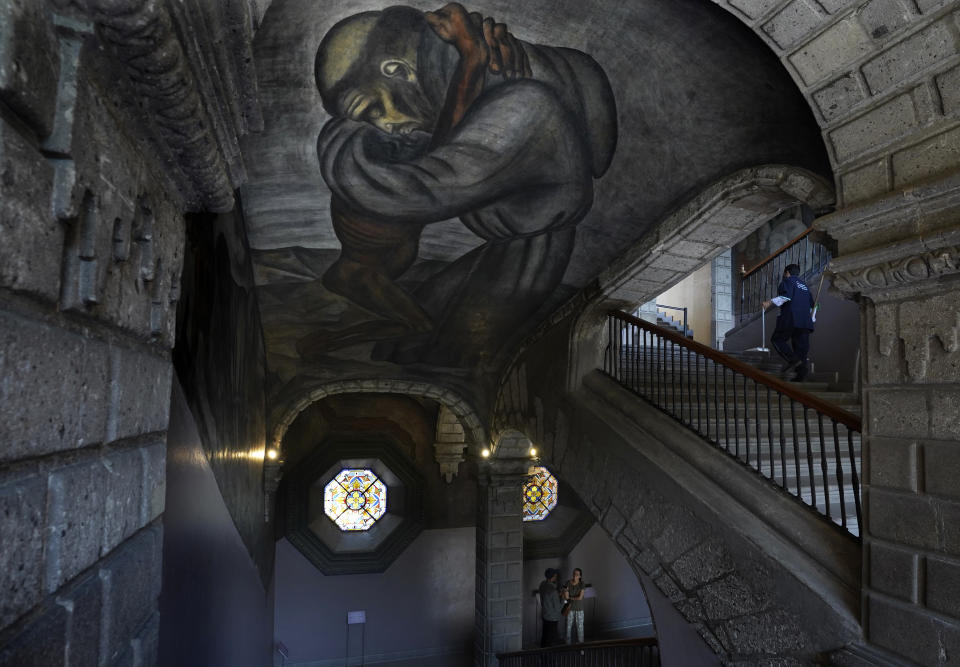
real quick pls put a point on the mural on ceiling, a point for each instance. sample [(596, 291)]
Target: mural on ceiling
[(446, 115), (430, 184)]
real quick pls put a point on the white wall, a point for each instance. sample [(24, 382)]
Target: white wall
[(621, 607), (693, 292), (213, 608), (421, 606)]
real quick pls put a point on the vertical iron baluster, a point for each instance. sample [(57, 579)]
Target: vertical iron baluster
[(706, 390), (783, 443), (716, 403), (608, 362), (840, 488), (746, 421), (689, 392), (643, 363), (648, 363), (683, 352), (696, 371), (726, 422), (736, 419), (627, 348), (673, 378), (813, 480), (654, 372), (823, 467), (663, 374), (770, 433), (796, 451), (854, 478), (636, 364), (616, 349), (661, 378), (625, 353), (756, 421)]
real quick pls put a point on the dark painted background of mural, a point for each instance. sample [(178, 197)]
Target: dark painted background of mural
[(686, 118), (219, 359)]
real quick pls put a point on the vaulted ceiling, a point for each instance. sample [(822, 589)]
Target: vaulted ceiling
[(697, 97)]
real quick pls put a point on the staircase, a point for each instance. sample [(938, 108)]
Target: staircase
[(670, 322), (825, 386), (760, 282), (802, 437)]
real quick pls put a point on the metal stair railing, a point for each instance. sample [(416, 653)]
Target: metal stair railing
[(802, 444), (638, 652), (686, 329), (760, 282)]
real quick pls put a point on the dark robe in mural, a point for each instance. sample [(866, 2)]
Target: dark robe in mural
[(517, 171)]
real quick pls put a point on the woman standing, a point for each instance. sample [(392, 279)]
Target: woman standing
[(574, 595)]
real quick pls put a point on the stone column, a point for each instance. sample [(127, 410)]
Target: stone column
[(500, 592), (909, 289), (721, 281)]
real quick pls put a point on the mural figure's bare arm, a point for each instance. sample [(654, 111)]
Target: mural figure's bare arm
[(482, 44)]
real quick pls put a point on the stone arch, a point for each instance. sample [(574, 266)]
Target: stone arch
[(712, 221), (877, 77), (464, 412)]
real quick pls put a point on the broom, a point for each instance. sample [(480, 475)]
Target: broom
[(816, 302)]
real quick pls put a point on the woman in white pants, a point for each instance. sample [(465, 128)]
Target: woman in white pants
[(574, 594)]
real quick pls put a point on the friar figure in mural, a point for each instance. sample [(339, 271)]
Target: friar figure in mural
[(443, 115)]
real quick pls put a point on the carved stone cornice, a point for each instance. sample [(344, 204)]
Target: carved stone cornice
[(920, 211), (187, 64), (897, 268), (904, 242)]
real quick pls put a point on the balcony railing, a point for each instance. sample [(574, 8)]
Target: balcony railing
[(639, 652), (799, 442), (760, 282)]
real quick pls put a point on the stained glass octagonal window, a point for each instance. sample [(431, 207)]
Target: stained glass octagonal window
[(539, 494), (355, 499)]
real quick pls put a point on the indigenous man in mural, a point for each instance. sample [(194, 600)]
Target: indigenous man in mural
[(444, 115)]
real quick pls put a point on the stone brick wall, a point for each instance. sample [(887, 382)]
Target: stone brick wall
[(721, 274), (911, 490), (499, 589), (90, 256), (882, 77)]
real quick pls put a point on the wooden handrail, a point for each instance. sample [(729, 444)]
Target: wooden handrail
[(841, 416), (610, 643), (773, 255)]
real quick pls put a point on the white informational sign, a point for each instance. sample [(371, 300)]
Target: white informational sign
[(356, 617)]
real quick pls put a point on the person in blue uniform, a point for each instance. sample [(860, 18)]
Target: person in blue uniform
[(791, 336)]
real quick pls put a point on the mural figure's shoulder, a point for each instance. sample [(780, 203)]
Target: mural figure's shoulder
[(587, 91)]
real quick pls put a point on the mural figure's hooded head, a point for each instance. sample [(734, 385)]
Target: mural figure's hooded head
[(370, 67)]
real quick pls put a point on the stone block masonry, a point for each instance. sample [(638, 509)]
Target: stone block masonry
[(912, 399), (500, 559), (105, 614), (91, 247), (879, 74)]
